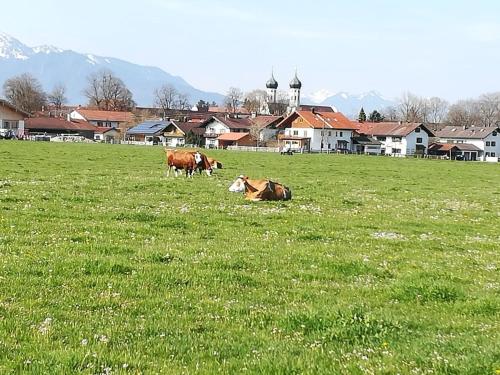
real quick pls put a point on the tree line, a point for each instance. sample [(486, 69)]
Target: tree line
[(106, 91)]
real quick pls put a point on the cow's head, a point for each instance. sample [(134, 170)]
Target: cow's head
[(238, 186), (197, 157)]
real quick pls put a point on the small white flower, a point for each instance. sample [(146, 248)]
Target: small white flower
[(84, 342)]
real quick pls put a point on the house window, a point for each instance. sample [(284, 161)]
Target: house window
[(417, 130), (419, 140), (341, 134), (488, 143), (329, 134), (396, 150), (295, 132), (381, 138), (322, 133), (396, 139), (99, 123), (487, 154), (493, 143), (336, 134), (108, 124), (493, 154), (494, 134), (329, 146)]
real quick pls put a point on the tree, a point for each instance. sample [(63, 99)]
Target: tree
[(362, 115), (437, 109), (390, 113), (463, 113), (411, 108), (488, 107), (108, 92), (182, 102), (255, 101), (280, 107), (376, 116), (202, 106), (165, 97), (233, 99), (57, 96), (25, 92)]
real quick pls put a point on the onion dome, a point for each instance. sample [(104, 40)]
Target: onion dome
[(295, 82), (272, 83)]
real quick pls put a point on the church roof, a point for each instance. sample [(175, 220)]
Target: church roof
[(295, 82), (272, 83)]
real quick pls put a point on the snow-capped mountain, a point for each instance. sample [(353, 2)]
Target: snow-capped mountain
[(52, 65), (350, 104)]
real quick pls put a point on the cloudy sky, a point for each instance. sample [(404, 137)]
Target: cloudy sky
[(447, 48)]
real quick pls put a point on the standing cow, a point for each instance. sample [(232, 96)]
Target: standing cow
[(188, 161), (260, 190)]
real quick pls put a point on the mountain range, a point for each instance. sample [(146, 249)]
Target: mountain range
[(52, 65)]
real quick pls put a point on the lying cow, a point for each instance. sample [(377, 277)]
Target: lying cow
[(260, 190), (188, 161), (215, 163)]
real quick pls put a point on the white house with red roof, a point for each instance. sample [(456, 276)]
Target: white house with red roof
[(11, 120), (470, 143), (107, 119), (398, 139), (317, 131)]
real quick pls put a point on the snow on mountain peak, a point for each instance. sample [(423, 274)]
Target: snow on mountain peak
[(47, 49), (319, 96), (13, 48)]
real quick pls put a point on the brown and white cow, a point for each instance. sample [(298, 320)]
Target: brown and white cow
[(188, 161), (260, 190), (215, 163)]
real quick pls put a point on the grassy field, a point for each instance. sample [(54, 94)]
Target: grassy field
[(377, 265)]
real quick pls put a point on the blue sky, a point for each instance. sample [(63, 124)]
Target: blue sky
[(432, 48)]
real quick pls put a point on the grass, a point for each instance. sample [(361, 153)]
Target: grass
[(377, 265)]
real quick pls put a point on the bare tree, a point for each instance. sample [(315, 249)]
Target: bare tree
[(108, 92), (390, 113), (25, 92), (280, 107), (233, 99), (165, 97), (411, 108), (182, 102), (463, 113), (437, 109), (488, 107), (255, 130), (57, 96), (255, 101)]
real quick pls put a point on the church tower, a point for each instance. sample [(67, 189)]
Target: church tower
[(295, 86), (272, 88)]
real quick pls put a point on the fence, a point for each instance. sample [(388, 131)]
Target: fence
[(255, 149)]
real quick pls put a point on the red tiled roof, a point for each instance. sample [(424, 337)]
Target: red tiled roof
[(56, 123), (232, 136), (386, 128), (320, 120), (223, 109), (446, 147), (235, 123), (97, 115), (265, 121), (12, 107)]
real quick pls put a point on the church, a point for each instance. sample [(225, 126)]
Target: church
[(277, 106)]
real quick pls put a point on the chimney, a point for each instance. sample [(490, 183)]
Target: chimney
[(313, 110)]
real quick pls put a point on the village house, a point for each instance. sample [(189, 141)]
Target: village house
[(106, 135), (11, 120), (234, 139), (148, 132), (50, 127), (107, 119), (468, 143), (217, 125), (363, 144), (396, 138), (316, 131)]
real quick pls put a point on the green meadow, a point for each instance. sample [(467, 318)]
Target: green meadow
[(376, 266)]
